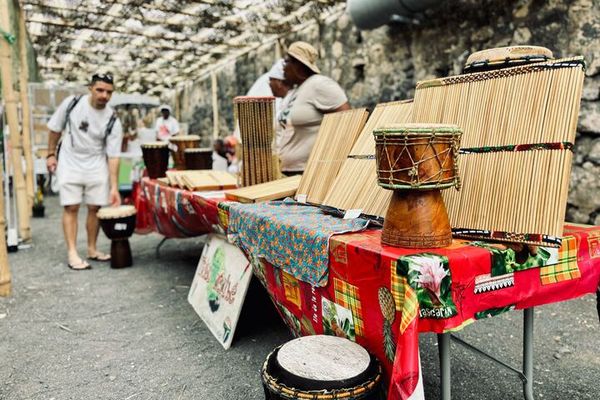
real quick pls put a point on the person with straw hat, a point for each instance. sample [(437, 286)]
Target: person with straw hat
[(314, 96)]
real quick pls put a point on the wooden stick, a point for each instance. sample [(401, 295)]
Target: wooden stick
[(6, 66)]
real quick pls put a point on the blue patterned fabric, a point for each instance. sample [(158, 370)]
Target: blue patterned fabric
[(290, 235)]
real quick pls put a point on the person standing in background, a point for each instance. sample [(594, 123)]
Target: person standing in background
[(314, 96), (166, 124), (87, 162)]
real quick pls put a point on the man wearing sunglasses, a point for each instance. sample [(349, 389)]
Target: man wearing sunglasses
[(87, 162)]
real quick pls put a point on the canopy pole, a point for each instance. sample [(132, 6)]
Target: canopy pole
[(10, 100), (215, 105), (5, 278), (26, 110)]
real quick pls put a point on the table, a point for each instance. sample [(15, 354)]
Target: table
[(382, 297), (175, 213)]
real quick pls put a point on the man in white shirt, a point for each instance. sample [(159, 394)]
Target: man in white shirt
[(88, 162), (166, 124)]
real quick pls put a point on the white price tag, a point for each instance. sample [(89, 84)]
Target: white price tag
[(120, 227), (354, 213), (301, 198)]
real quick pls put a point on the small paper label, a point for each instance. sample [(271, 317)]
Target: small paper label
[(301, 198), (120, 227), (351, 214)]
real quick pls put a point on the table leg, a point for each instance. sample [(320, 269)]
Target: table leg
[(445, 379), (528, 353), (159, 246)]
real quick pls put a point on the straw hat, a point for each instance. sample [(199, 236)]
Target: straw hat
[(306, 54)]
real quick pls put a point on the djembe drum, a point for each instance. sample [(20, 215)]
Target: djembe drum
[(504, 57), (198, 158), (118, 224), (178, 146), (156, 158), (416, 161), (321, 367)]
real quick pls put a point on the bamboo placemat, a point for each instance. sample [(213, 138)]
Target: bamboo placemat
[(519, 126), (337, 134), (274, 190), (356, 186)]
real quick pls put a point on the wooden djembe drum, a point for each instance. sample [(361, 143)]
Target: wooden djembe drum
[(416, 161), (321, 367), (156, 158), (505, 57), (198, 158), (178, 145), (118, 224)]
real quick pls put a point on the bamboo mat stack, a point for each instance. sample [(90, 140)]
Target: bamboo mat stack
[(254, 116), (356, 184), (519, 127), (274, 190), (337, 135)]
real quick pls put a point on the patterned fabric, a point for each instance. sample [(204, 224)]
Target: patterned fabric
[(347, 296), (293, 236), (567, 268), (398, 287)]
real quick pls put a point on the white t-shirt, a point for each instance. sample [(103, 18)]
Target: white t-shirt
[(85, 148), (302, 115), (165, 128)]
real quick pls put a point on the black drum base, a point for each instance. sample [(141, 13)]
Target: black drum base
[(120, 254)]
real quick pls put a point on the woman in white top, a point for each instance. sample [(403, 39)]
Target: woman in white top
[(166, 124), (304, 107)]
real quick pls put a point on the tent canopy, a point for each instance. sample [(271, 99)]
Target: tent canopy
[(153, 45)]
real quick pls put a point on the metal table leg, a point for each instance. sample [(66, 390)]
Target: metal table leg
[(159, 246), (526, 374), (528, 353), (445, 378)]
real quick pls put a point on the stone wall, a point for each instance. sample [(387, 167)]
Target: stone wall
[(385, 64)]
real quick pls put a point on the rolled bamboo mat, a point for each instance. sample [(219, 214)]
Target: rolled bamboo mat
[(254, 116), (274, 190), (519, 126), (337, 134), (356, 184)]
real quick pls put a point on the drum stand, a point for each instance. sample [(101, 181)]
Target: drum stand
[(120, 253)]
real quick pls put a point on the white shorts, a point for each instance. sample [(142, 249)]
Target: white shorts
[(94, 192)]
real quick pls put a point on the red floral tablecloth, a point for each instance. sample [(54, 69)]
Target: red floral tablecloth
[(172, 212), (382, 297)]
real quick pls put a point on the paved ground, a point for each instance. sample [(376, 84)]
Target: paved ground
[(130, 334)]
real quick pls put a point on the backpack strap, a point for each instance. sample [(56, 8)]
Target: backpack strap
[(109, 126), (70, 108)]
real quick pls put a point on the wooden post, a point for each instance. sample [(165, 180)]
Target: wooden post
[(5, 279), (215, 104), (10, 100), (26, 111)]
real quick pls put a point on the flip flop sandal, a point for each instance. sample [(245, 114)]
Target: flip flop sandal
[(100, 257), (75, 268)]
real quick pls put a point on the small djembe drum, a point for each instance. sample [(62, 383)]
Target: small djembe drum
[(505, 57), (156, 158), (118, 224), (197, 158), (416, 161), (321, 367), (178, 146)]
